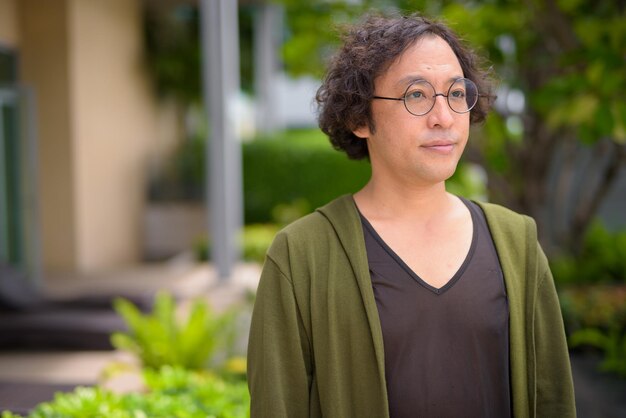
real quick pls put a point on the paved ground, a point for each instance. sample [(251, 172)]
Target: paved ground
[(20, 398), (598, 395)]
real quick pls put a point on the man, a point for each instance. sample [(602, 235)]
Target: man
[(404, 300)]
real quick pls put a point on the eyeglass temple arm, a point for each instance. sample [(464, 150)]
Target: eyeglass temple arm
[(401, 99)]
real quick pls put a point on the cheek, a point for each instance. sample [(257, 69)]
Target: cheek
[(464, 126)]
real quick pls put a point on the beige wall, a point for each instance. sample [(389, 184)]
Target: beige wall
[(114, 122), (44, 66), (9, 33), (98, 124)]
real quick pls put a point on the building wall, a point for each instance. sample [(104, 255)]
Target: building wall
[(98, 126), (114, 120), (9, 33)]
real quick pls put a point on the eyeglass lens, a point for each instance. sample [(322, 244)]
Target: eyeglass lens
[(420, 97)]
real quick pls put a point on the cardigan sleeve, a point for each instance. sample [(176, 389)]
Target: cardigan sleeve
[(555, 389), (278, 350)]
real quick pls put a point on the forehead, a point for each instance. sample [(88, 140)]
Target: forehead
[(430, 57)]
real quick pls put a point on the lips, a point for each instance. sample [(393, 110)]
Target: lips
[(439, 146)]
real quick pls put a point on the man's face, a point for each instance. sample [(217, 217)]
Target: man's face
[(413, 149)]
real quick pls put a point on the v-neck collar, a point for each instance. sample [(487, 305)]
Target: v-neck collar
[(455, 277)]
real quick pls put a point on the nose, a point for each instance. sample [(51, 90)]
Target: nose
[(440, 115)]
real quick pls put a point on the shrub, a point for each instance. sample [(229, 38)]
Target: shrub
[(256, 239), (171, 392), (595, 316), (602, 259), (282, 170), (593, 295), (612, 342), (602, 306), (159, 339)]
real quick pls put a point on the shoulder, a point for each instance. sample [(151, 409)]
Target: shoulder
[(514, 235), (523, 262), (502, 220), (313, 230)]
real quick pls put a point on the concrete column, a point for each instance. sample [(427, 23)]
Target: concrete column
[(267, 27), (220, 58)]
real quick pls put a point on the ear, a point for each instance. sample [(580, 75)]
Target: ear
[(362, 132)]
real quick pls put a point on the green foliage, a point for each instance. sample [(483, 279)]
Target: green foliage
[(256, 240), (593, 306), (595, 315), (284, 170), (308, 39), (171, 392), (468, 181), (593, 296), (173, 51), (601, 260), (159, 339), (611, 342)]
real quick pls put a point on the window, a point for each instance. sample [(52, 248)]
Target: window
[(19, 233)]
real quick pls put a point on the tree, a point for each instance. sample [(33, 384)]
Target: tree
[(172, 49), (562, 70)]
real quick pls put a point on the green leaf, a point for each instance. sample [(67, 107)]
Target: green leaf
[(569, 6), (619, 130), (603, 120), (159, 339), (589, 336), (582, 109)]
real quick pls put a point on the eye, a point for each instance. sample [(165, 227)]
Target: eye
[(415, 95), (457, 94)]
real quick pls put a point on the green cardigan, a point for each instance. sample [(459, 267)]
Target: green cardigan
[(316, 346)]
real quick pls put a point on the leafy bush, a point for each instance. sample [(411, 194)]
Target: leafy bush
[(171, 392), (601, 260), (282, 170), (597, 306), (595, 315), (256, 239), (612, 342), (158, 339), (593, 295)]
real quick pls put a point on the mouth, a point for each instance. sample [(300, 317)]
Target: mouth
[(441, 147)]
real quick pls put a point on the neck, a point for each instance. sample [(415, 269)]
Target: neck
[(409, 202)]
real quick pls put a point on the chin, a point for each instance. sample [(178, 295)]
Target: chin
[(440, 174)]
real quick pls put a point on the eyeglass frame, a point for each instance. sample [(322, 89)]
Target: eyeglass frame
[(403, 98)]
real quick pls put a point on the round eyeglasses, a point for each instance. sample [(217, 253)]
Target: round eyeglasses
[(419, 97)]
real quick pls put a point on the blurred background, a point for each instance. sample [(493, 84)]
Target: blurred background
[(103, 165)]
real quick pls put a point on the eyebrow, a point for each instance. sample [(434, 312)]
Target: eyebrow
[(411, 78)]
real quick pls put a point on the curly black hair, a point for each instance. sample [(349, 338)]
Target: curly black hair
[(369, 48)]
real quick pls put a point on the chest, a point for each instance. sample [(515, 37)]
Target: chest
[(472, 301), (434, 255)]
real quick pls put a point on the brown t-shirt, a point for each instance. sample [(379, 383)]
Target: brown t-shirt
[(446, 349)]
